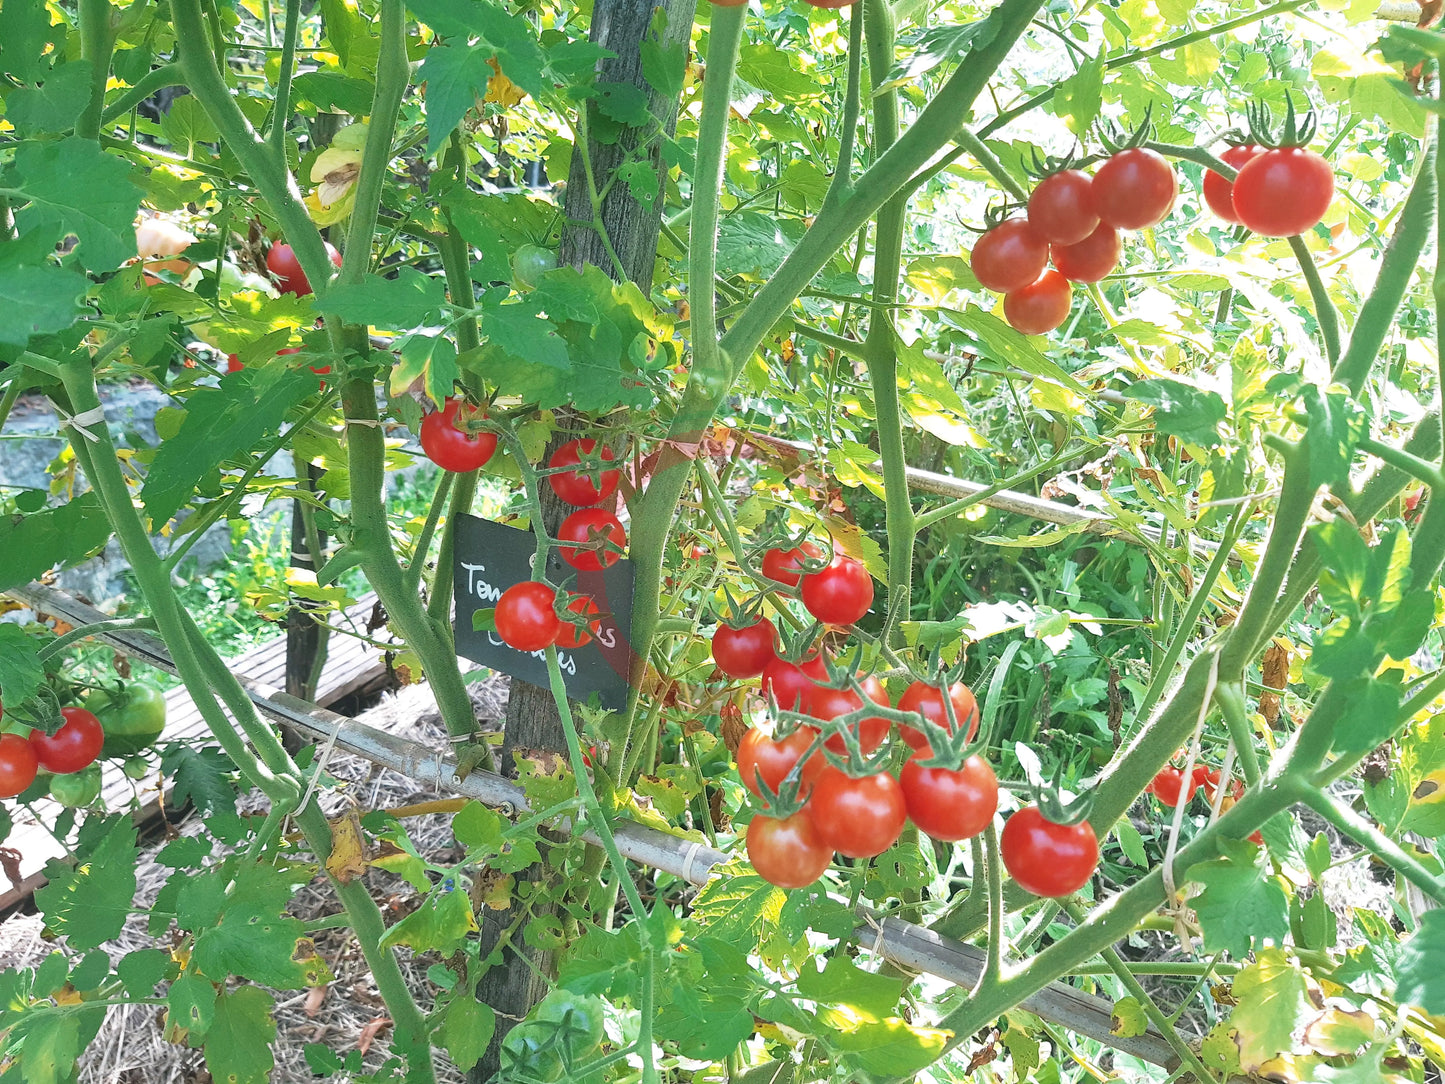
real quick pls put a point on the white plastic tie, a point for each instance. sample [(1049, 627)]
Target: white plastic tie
[(374, 423), (687, 861), (79, 422)]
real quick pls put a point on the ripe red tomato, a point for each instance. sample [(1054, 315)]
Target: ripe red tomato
[(592, 525), (18, 765), (526, 617), (233, 364), (1009, 256), (789, 683), (826, 704), (572, 636), (1041, 306), (839, 594), (577, 487), (1061, 207), (450, 447), (950, 805), (286, 270), (785, 566), (760, 755), (74, 746), (1218, 192), (928, 701), (1168, 785), (742, 653), (1283, 192), (1135, 189), (787, 852), (1092, 258), (861, 817), (1045, 858)]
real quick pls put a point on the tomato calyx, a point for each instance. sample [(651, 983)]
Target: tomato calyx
[(788, 561), (1296, 131), (1058, 805)]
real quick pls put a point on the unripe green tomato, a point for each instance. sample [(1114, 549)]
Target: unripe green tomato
[(530, 263), (135, 767), (563, 1030), (132, 718), (76, 789)]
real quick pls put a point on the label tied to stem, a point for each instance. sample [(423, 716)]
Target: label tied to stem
[(490, 557)]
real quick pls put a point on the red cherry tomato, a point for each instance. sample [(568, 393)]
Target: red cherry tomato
[(1061, 207), (450, 447), (785, 566), (1168, 785), (286, 270), (789, 683), (1283, 192), (18, 765), (787, 852), (742, 653), (592, 525), (1135, 189), (927, 700), (1041, 306), (233, 364), (1092, 258), (1045, 858), (950, 805), (577, 487), (1218, 192), (760, 755), (839, 594), (526, 618), (572, 636), (1009, 256), (826, 704), (73, 747), (859, 818)]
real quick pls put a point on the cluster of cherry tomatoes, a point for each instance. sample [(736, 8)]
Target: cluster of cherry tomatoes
[(72, 748), (527, 616), (285, 270), (1171, 787), (1279, 192)]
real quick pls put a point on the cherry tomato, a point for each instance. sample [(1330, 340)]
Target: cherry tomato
[(572, 636), (826, 704), (950, 805), (525, 616), (1092, 258), (1061, 207), (577, 487), (742, 653), (18, 765), (760, 755), (789, 683), (233, 364), (450, 447), (1041, 306), (1168, 785), (1009, 256), (927, 700), (861, 817), (286, 270), (1218, 192), (1045, 858), (1135, 189), (75, 745), (839, 594), (1283, 192), (530, 263), (594, 525), (785, 566), (787, 852)]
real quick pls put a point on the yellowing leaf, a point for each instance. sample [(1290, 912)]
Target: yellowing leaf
[(1272, 1003), (500, 89), (1128, 1018)]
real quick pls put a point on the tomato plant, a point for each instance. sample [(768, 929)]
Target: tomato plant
[(1091, 259), (827, 703), (761, 757), (600, 531), (744, 652), (1218, 192), (285, 269), (77, 789), (790, 683), (1168, 786), (950, 803), (928, 701), (450, 446), (572, 636), (786, 566), (74, 746), (1045, 858), (526, 616)]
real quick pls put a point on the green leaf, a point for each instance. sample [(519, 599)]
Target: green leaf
[(936, 46), (238, 1042), (1180, 410), (185, 124), (400, 303), (36, 543), (664, 67), (1336, 423), (141, 971), (36, 297), (442, 922), (25, 31), (89, 903), (74, 187), (200, 775), (252, 940), (997, 340), (1420, 966), (221, 423), (736, 904), (52, 1043), (20, 670), (455, 76), (1131, 842), (1373, 716), (467, 1029), (1242, 905), (56, 104), (887, 1048), (1079, 97), (333, 91), (770, 69), (842, 982), (512, 41), (1271, 1002)]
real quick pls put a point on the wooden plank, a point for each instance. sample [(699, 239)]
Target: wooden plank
[(350, 667)]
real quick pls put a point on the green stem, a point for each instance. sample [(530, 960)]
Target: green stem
[(97, 40), (167, 75), (392, 75), (1231, 702), (95, 628), (1346, 821), (1326, 315), (457, 259), (281, 108), (423, 542), (980, 153), (852, 102), (1420, 469), (993, 969)]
